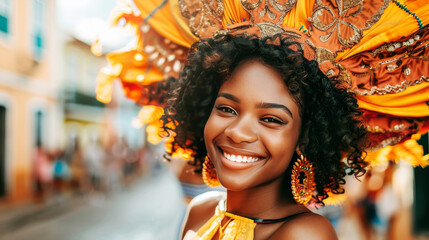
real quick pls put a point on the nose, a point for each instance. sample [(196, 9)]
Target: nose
[(241, 130)]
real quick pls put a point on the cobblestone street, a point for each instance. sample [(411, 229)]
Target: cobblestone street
[(151, 209)]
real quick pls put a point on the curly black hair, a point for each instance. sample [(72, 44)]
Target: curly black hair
[(330, 129)]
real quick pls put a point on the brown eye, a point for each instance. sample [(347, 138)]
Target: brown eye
[(272, 120), (226, 109)]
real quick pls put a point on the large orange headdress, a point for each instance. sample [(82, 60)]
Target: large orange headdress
[(378, 49)]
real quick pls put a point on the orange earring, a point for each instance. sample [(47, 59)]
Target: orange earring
[(302, 181), (209, 173)]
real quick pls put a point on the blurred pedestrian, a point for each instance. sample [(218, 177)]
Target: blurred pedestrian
[(113, 164), (78, 173), (42, 172), (94, 157), (61, 172)]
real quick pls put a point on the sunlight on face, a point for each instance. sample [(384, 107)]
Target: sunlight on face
[(253, 129)]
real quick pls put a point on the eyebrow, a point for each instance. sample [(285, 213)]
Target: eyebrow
[(275, 105), (260, 105), (229, 96)]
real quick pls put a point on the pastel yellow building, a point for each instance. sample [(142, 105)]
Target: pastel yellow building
[(85, 118), (30, 109)]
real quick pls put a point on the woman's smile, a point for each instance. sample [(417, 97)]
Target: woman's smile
[(240, 158), (253, 129), (235, 158)]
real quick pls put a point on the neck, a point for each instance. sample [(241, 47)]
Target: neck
[(267, 201)]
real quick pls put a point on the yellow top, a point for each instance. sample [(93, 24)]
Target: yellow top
[(236, 227)]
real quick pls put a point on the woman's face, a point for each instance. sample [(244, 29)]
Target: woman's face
[(253, 129)]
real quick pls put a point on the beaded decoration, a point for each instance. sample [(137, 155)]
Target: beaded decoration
[(401, 6), (209, 173), (302, 181)]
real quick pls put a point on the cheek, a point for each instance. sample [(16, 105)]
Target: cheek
[(214, 128), (207, 132), (283, 150), (282, 145), (211, 130)]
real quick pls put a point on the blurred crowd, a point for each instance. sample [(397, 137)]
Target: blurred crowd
[(93, 168), (378, 206)]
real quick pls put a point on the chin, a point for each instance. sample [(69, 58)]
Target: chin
[(235, 184), (235, 187)]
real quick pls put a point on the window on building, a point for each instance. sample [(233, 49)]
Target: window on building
[(38, 27), (72, 75), (39, 128), (4, 16), (91, 74)]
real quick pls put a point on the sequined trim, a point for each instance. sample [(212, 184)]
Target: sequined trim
[(376, 17), (202, 14), (276, 13), (249, 7), (385, 143), (268, 29), (396, 129), (391, 89), (394, 46), (282, 8), (324, 55), (336, 23), (345, 16)]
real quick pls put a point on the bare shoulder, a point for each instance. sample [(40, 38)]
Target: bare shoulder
[(200, 210), (308, 226)]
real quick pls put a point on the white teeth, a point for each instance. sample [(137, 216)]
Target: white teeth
[(239, 158)]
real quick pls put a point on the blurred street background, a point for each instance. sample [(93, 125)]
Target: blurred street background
[(74, 168)]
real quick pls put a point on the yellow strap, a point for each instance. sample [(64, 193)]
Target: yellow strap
[(237, 227)]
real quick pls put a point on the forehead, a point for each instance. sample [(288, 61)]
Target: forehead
[(257, 82)]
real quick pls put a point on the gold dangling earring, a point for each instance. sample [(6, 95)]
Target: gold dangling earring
[(209, 173), (302, 181)]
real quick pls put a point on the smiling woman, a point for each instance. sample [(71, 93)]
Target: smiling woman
[(251, 105), (247, 108), (249, 121)]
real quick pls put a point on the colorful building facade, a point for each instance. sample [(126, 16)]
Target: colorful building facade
[(30, 109)]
